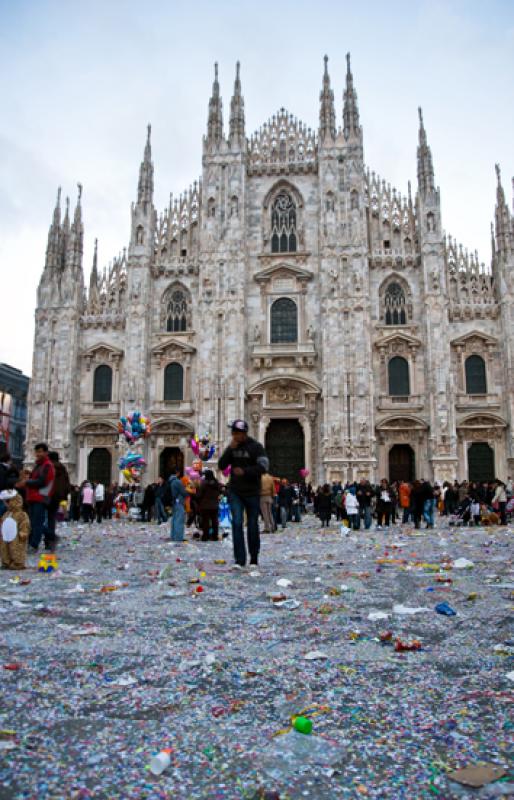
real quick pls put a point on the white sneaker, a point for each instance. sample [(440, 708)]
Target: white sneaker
[(238, 568), (378, 528)]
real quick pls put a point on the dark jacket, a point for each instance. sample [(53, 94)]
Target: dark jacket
[(149, 496), (9, 475), (364, 495), (285, 496), (207, 495), (324, 503), (251, 457), (61, 483)]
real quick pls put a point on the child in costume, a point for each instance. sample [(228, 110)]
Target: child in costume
[(14, 531)]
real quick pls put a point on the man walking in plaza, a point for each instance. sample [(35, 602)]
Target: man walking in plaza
[(248, 462), (39, 489)]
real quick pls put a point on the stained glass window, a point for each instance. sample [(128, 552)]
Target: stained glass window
[(394, 301), (173, 383), (283, 224), (476, 382), (284, 321), (102, 384), (398, 374), (176, 312)]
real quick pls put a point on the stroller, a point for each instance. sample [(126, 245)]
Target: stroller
[(462, 514)]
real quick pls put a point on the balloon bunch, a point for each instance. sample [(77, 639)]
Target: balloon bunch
[(192, 473), (134, 426), (202, 447), (132, 465)]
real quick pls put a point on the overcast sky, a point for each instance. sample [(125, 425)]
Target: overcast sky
[(81, 80)]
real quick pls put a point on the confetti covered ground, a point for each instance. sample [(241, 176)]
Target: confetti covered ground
[(136, 645)]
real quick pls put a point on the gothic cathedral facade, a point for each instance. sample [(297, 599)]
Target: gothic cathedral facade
[(294, 288)]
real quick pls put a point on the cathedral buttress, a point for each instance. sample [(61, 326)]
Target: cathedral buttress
[(136, 362), (347, 384), (222, 334), (53, 405), (503, 271), (439, 384)]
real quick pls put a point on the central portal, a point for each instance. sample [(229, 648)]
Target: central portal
[(285, 448), (401, 463)]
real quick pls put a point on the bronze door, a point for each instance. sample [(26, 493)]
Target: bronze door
[(99, 466), (171, 458), (480, 462), (401, 463), (285, 448)]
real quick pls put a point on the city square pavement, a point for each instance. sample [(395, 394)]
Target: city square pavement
[(135, 645)]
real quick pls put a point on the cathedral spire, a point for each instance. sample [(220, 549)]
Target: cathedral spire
[(93, 280), (426, 184), (327, 114), (502, 218), (145, 184), (54, 236), (237, 114), (215, 120), (351, 124), (74, 247)]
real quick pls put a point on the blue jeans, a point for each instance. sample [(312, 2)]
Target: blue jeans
[(238, 505), (37, 514), (407, 514), (428, 511), (178, 519), (366, 510), (354, 521), (160, 512)]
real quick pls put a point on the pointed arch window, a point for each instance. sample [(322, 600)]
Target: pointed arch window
[(177, 311), (284, 321), (476, 380), (395, 305), (283, 224), (174, 383), (398, 377), (102, 384)]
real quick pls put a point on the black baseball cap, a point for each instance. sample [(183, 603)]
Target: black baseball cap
[(239, 425)]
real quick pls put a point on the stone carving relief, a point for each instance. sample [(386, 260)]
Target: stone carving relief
[(285, 393)]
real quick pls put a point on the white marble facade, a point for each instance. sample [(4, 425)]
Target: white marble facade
[(289, 214)]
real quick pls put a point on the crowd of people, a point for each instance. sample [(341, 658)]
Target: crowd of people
[(35, 500)]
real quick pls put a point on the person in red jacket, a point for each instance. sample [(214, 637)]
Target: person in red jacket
[(404, 493), (39, 488)]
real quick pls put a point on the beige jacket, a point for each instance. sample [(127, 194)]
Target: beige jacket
[(267, 486)]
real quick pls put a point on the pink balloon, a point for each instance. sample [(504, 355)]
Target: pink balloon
[(304, 473), (227, 471)]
